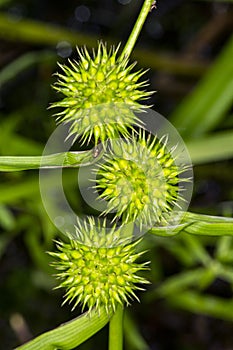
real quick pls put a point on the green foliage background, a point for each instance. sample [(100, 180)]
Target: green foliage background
[(190, 298)]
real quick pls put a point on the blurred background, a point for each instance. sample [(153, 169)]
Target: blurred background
[(188, 48)]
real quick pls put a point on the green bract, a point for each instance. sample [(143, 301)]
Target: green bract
[(102, 94), (97, 276), (140, 181)]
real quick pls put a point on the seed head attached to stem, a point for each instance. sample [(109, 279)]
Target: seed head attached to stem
[(98, 275), (140, 180), (101, 92)]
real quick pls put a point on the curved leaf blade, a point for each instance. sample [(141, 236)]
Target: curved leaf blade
[(70, 334)]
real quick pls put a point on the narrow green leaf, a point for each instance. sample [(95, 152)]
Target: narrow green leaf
[(224, 252), (132, 335), (206, 106), (7, 219), (5, 239), (41, 33), (10, 193), (37, 252), (23, 62), (45, 34), (203, 304), (211, 148), (178, 283), (18, 144), (180, 251), (226, 273), (70, 334), (29, 187), (196, 249)]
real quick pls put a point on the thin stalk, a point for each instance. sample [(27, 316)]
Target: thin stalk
[(146, 8), (116, 330), (58, 160)]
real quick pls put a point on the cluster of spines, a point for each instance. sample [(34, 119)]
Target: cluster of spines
[(140, 180), (98, 276), (102, 94)]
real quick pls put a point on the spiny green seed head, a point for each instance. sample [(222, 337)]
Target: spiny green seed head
[(98, 276), (101, 95), (98, 233), (139, 181)]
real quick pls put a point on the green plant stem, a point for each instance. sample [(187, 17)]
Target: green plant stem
[(136, 29), (210, 148), (116, 322), (116, 330), (57, 160), (198, 224)]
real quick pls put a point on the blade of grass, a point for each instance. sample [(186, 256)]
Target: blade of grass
[(7, 219), (224, 252), (70, 334), (196, 248), (23, 62), (181, 252), (38, 33), (214, 147), (226, 273), (25, 187), (20, 145), (206, 106), (207, 305), (41, 33), (37, 252), (12, 192), (132, 335), (177, 284), (12, 143)]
